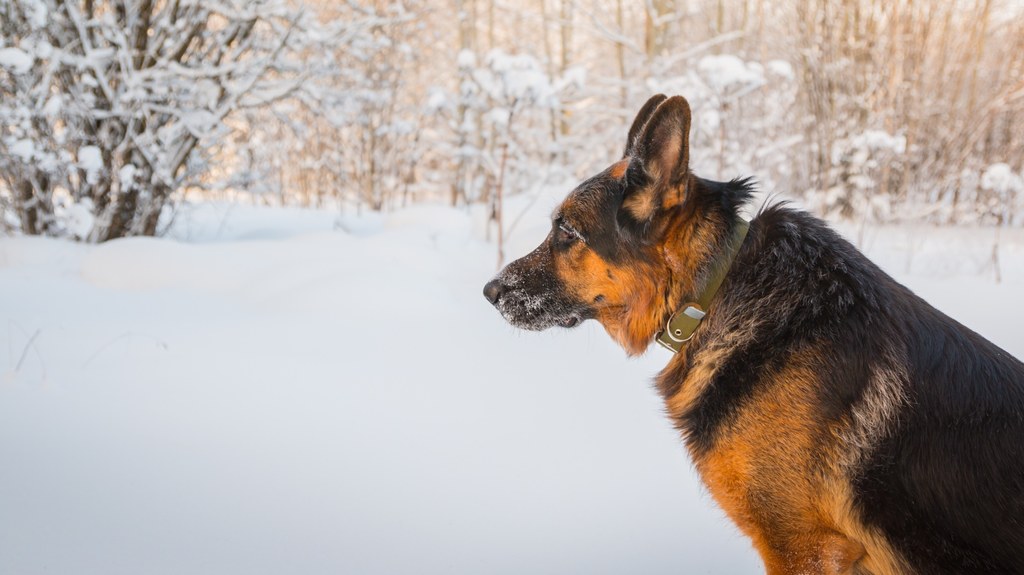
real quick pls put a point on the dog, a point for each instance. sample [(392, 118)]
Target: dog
[(843, 423)]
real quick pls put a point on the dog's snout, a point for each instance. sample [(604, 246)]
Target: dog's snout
[(493, 291)]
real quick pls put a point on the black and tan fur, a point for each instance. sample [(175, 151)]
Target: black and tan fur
[(842, 422)]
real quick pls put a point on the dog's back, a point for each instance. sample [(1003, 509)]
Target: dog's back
[(930, 414), (947, 484)]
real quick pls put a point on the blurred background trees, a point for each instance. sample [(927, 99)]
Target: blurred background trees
[(112, 112), (109, 109)]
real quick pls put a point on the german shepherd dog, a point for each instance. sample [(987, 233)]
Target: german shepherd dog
[(845, 425)]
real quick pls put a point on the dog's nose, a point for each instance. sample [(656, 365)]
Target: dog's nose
[(493, 290)]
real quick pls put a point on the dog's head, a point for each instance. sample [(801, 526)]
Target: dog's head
[(627, 244)]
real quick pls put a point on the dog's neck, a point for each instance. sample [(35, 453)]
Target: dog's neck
[(682, 324)]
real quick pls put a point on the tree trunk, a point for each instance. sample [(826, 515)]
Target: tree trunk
[(28, 207), (567, 56)]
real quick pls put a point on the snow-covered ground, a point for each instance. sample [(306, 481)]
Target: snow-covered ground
[(285, 391)]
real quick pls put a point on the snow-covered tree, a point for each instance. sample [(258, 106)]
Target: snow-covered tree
[(108, 108)]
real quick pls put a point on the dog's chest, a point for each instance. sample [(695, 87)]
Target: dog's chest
[(760, 458), (761, 465), (763, 473)]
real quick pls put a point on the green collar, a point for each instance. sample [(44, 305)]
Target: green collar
[(684, 322)]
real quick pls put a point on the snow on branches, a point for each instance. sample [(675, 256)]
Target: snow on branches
[(107, 109)]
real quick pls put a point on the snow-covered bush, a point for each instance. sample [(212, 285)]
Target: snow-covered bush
[(107, 109), (500, 125), (742, 115), (865, 168), (1004, 191)]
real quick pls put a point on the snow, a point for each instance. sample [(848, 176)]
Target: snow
[(574, 76), (291, 391), (1001, 178), (79, 218), (15, 60), (199, 122), (876, 140), (436, 100), (515, 78), (725, 71), (497, 116), (466, 59), (53, 105), (36, 11), (781, 68), (126, 174), (90, 160), (24, 149)]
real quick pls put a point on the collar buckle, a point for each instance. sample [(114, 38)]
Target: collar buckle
[(681, 326)]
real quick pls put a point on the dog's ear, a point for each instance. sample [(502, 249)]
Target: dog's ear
[(659, 160), (641, 120)]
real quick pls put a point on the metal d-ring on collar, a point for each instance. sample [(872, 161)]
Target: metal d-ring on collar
[(682, 325)]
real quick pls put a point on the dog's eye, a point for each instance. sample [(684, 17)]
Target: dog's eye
[(566, 234)]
